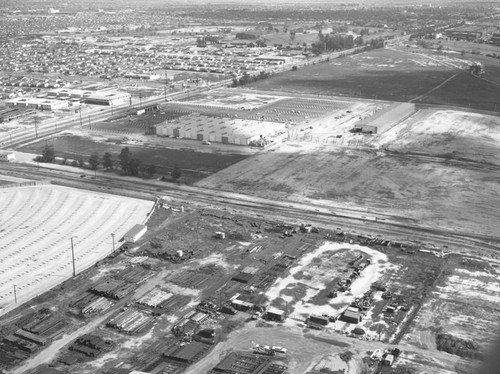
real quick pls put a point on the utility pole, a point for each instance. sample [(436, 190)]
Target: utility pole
[(113, 238), (15, 294), (81, 125), (36, 127), (73, 256)]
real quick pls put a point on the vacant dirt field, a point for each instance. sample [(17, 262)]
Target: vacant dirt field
[(464, 305), (429, 168)]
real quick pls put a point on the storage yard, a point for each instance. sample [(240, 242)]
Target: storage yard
[(202, 288)]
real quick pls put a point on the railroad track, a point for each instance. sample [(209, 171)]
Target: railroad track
[(356, 221)]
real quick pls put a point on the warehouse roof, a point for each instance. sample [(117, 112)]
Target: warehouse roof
[(136, 230)]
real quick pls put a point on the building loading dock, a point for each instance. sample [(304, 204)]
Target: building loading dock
[(381, 121), (217, 129)]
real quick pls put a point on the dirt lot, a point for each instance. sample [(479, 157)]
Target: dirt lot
[(428, 168), (463, 304)]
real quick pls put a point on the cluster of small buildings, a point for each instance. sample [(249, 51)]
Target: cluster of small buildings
[(128, 57)]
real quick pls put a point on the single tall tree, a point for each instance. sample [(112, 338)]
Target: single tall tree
[(107, 160), (124, 158), (94, 161), (176, 173), (48, 154), (134, 165)]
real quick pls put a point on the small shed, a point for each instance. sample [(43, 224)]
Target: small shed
[(242, 277), (388, 360), (351, 315), (275, 314), (241, 305), (135, 233), (321, 320)]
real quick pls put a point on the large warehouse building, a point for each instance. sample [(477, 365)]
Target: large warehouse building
[(221, 130), (385, 118)]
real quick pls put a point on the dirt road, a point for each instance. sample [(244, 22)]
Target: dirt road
[(304, 346)]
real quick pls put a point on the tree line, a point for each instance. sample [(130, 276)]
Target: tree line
[(126, 162), (248, 78)]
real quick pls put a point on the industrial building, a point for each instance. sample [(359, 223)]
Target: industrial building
[(66, 93), (461, 34), (216, 129), (135, 233), (108, 98), (384, 119), (37, 103)]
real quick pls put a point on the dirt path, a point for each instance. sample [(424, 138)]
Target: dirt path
[(433, 89), (304, 346)]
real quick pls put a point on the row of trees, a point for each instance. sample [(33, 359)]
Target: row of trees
[(332, 42), (247, 78), (129, 164)]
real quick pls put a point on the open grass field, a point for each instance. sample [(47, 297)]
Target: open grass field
[(377, 74), (390, 74), (194, 165), (467, 91), (37, 223)]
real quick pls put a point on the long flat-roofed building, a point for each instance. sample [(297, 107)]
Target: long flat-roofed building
[(108, 98), (219, 129)]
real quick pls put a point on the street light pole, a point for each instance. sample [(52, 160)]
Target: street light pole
[(113, 238), (73, 256), (15, 294)]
